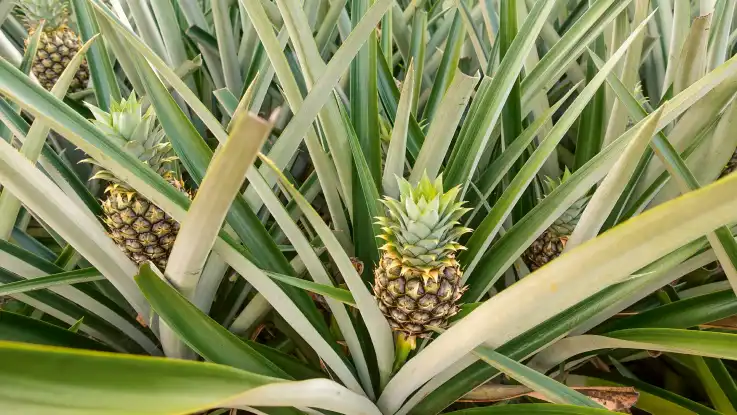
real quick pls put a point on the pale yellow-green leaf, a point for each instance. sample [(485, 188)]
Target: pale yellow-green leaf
[(395, 157), (719, 46), (606, 195), (701, 102), (653, 277), (245, 103), (442, 128), (692, 61), (253, 313), (205, 217), (679, 31), (572, 346), (709, 159), (630, 74)]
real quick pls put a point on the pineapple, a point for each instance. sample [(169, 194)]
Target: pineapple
[(417, 281), (57, 45), (551, 243), (140, 228)]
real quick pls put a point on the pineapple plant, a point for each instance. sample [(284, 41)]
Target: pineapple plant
[(140, 228), (418, 280), (58, 42), (552, 242), (288, 241)]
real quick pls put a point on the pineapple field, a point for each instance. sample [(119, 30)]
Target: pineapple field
[(368, 207)]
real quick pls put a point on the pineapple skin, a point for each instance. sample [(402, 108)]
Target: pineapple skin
[(546, 248), (551, 243), (141, 229), (55, 50), (410, 302)]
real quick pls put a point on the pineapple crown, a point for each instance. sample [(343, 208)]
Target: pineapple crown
[(565, 224), (135, 131), (421, 228), (54, 12), (550, 184)]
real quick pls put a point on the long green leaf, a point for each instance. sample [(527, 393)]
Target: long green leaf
[(389, 94), (395, 158), (550, 388), (205, 336), (571, 45), (17, 328), (477, 128), (45, 379), (101, 69), (339, 294), (698, 343), (448, 66), (602, 203), (497, 170), (40, 283), (226, 45)]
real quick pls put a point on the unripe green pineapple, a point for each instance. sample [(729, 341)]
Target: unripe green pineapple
[(418, 280), (57, 45), (140, 228), (551, 243)]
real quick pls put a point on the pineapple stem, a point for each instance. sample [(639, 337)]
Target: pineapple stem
[(404, 344)]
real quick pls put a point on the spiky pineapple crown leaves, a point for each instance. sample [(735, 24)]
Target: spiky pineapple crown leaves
[(565, 224), (421, 228), (135, 131), (54, 12)]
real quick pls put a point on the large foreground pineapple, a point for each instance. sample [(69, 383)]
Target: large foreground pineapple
[(138, 226), (417, 282), (57, 45), (551, 243)]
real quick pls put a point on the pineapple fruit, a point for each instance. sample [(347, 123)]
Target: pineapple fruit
[(418, 280), (58, 42), (140, 228), (551, 243)]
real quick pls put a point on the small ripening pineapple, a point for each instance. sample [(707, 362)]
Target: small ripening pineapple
[(140, 228), (551, 243), (417, 281), (58, 42)]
